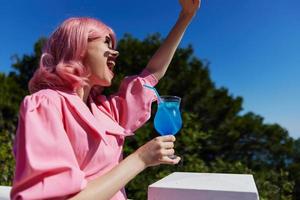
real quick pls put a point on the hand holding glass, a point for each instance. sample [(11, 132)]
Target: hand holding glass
[(167, 119)]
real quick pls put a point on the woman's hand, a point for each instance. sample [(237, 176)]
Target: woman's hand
[(189, 7), (157, 151)]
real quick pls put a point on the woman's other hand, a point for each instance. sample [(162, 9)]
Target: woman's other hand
[(189, 7)]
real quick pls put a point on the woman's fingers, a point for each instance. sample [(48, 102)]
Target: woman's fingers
[(166, 138), (158, 151), (170, 161), (168, 145), (167, 152), (190, 6), (197, 3)]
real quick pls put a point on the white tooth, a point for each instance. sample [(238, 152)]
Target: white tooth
[(111, 62)]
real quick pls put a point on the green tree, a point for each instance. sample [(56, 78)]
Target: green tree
[(294, 168), (9, 104), (215, 137), (13, 88)]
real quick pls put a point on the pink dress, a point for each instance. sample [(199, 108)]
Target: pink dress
[(61, 144)]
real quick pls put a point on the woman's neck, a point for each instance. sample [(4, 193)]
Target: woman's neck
[(83, 93)]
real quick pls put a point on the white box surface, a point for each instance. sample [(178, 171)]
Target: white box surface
[(4, 192), (204, 186)]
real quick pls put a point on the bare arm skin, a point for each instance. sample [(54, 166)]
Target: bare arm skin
[(160, 61), (155, 152)]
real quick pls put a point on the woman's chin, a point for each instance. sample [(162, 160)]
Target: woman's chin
[(104, 82), (107, 84)]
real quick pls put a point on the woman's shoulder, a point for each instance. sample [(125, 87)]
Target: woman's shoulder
[(46, 97)]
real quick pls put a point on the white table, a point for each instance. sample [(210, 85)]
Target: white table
[(204, 186), (4, 192)]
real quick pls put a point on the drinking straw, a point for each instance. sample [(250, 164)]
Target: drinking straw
[(153, 88)]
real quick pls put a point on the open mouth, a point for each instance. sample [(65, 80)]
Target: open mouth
[(111, 64)]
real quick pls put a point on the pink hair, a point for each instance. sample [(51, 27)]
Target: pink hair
[(61, 64)]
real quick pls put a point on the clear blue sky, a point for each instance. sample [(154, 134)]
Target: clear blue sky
[(253, 45)]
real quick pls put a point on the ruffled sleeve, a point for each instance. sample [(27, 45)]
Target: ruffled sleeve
[(131, 106), (46, 166)]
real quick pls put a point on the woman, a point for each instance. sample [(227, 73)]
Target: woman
[(70, 137)]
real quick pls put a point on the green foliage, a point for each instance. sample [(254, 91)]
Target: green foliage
[(26, 65), (13, 88), (215, 137), (7, 162)]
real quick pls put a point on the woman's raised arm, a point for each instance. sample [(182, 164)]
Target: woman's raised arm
[(160, 61)]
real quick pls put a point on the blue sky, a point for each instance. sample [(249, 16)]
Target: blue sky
[(252, 45)]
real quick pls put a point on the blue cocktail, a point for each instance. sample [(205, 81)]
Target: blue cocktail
[(167, 119)]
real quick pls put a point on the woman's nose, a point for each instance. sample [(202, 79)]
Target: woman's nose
[(114, 53)]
